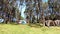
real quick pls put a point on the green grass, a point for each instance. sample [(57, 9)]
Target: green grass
[(25, 29)]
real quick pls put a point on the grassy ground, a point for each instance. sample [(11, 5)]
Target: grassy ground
[(25, 29)]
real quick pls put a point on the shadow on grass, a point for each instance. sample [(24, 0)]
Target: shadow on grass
[(11, 23), (31, 25), (35, 25)]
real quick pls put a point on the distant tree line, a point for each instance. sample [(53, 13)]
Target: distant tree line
[(36, 10)]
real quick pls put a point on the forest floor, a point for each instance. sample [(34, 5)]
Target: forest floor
[(25, 29)]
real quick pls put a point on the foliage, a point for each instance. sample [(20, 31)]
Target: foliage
[(53, 16), (9, 9)]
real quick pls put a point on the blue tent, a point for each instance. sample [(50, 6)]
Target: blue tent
[(1, 20)]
